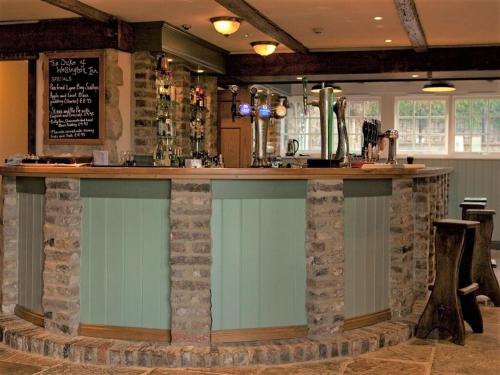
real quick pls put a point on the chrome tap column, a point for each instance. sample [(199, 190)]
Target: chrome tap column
[(326, 121), (342, 154), (393, 136), (261, 126)]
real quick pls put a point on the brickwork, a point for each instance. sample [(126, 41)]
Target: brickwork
[(401, 248), (61, 274), (190, 262), (144, 103), (9, 219), (113, 118), (325, 258)]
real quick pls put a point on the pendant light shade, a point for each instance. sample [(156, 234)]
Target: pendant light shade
[(226, 25), (438, 87), (319, 86), (264, 48)]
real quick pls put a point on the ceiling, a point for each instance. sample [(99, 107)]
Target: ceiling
[(344, 24)]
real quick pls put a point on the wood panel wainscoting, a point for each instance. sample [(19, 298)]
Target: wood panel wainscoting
[(367, 319), (124, 333), (29, 315)]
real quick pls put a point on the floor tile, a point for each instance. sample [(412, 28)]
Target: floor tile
[(7, 368), (416, 350), (377, 367), (70, 369)]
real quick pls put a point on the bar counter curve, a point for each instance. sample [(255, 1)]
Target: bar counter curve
[(215, 258)]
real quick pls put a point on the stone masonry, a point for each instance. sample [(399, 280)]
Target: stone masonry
[(324, 258), (113, 118), (190, 262), (8, 246), (430, 197), (401, 248), (61, 274)]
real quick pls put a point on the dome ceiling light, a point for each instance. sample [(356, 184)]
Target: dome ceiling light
[(226, 25), (437, 86), (264, 48)]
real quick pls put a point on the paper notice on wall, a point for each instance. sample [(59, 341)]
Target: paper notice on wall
[(476, 143), (459, 143)]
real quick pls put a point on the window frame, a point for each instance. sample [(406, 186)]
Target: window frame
[(448, 121), (468, 155), (363, 98)]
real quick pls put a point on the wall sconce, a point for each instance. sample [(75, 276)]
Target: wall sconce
[(226, 25), (264, 48)]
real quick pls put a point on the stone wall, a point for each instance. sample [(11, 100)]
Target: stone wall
[(430, 197), (145, 126), (9, 221), (190, 262), (113, 118), (401, 295), (61, 274), (325, 258)]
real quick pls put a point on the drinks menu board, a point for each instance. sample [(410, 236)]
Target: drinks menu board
[(74, 104)]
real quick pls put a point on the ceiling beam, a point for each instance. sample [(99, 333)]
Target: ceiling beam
[(408, 16), (83, 10), (363, 62), (251, 15)]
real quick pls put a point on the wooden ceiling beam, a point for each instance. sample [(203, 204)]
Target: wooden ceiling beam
[(363, 62), (408, 15), (83, 10), (255, 18)]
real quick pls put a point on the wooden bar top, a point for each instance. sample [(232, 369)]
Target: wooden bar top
[(163, 173)]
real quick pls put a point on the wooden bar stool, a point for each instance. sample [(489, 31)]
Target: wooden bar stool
[(482, 272), (452, 299), (471, 206), (476, 199)]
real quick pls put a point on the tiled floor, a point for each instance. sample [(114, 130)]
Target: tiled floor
[(479, 356)]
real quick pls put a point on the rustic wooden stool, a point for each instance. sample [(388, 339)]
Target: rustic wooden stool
[(471, 206), (476, 199), (452, 299), (482, 272)]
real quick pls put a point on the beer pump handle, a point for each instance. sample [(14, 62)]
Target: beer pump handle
[(304, 94), (234, 92), (253, 94)]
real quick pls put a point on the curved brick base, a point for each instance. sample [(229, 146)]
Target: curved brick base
[(24, 336)]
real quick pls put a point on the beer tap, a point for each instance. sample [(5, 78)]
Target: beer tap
[(234, 92)]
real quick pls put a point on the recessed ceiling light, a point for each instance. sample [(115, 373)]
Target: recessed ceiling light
[(414, 75), (170, 59), (388, 40), (299, 78), (246, 35), (200, 71), (378, 18)]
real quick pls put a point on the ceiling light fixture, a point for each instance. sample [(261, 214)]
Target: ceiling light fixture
[(264, 48), (200, 71), (388, 40), (319, 86), (300, 78), (414, 75), (437, 86), (226, 25), (378, 18)]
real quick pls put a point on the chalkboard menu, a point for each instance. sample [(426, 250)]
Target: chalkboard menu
[(74, 105)]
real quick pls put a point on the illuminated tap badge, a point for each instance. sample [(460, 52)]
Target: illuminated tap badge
[(264, 111), (245, 109)]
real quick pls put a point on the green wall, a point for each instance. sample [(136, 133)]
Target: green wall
[(125, 252)]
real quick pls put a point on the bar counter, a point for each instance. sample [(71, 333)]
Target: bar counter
[(216, 256)]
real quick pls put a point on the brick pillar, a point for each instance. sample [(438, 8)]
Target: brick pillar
[(401, 248), (190, 262), (422, 239), (61, 273), (8, 245), (325, 258)]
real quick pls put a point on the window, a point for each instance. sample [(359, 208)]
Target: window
[(477, 125), (306, 128), (422, 125)]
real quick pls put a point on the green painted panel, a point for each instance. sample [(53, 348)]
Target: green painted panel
[(367, 188), (472, 177), (124, 262), (366, 240), (258, 261), (258, 189), (30, 242)]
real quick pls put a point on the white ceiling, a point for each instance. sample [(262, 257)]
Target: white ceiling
[(346, 24)]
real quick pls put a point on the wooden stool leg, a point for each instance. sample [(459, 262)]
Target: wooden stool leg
[(467, 290), (482, 273), (443, 310)]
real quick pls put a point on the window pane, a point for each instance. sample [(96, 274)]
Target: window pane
[(494, 109), (462, 107), (355, 108), (422, 126), (479, 106), (372, 108)]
